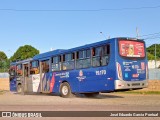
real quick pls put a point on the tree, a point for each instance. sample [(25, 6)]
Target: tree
[(3, 62), (24, 52), (150, 56), (3, 56), (151, 50)]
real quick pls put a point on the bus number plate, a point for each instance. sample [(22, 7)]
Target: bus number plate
[(101, 72)]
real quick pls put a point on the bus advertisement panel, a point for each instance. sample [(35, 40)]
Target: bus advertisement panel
[(131, 49)]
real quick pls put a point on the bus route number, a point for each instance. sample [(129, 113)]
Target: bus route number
[(101, 72)]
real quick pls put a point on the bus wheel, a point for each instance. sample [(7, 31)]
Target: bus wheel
[(91, 94), (19, 88), (65, 90)]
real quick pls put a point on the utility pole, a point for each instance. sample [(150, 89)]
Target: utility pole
[(137, 32), (155, 56)]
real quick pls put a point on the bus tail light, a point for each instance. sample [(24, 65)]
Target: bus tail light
[(119, 71), (120, 85), (109, 78)]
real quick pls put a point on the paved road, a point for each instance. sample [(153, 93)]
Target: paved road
[(104, 102)]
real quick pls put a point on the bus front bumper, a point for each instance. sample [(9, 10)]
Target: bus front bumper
[(121, 84)]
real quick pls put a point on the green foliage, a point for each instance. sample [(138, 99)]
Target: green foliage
[(3, 56), (24, 52), (3, 67), (151, 52), (4, 62), (150, 56)]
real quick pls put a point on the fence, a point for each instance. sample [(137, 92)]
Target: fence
[(152, 63), (4, 75), (4, 81), (154, 74)]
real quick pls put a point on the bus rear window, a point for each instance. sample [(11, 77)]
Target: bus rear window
[(130, 48)]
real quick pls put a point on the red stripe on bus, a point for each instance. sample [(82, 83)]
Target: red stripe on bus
[(52, 83)]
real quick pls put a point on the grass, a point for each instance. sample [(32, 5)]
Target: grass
[(2, 92), (142, 92)]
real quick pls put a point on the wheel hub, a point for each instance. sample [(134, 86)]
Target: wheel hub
[(65, 90)]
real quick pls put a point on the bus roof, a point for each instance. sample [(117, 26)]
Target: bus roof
[(12, 63), (47, 55)]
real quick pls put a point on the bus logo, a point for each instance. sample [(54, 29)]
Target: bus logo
[(80, 73), (81, 77)]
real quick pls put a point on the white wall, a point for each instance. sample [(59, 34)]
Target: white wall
[(151, 64), (4, 75)]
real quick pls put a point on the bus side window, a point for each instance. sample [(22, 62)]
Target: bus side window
[(19, 69), (45, 66), (87, 60), (106, 53), (79, 63), (108, 49), (56, 63), (83, 59), (68, 61), (96, 58), (34, 67), (12, 71), (93, 51), (100, 55)]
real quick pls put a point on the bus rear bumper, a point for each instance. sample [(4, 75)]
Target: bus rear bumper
[(121, 84)]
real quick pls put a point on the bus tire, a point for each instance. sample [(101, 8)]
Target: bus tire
[(19, 88), (65, 90), (91, 94)]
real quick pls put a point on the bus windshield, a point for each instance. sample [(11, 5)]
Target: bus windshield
[(130, 48)]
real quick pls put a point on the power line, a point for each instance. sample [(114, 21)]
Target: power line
[(80, 10), (150, 34), (152, 38)]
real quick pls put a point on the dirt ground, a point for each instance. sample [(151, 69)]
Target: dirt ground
[(10, 101)]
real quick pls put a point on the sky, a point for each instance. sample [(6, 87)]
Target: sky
[(64, 24)]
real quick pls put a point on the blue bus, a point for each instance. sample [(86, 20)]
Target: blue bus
[(16, 74), (105, 66)]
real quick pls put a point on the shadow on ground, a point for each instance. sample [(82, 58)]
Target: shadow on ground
[(100, 96)]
